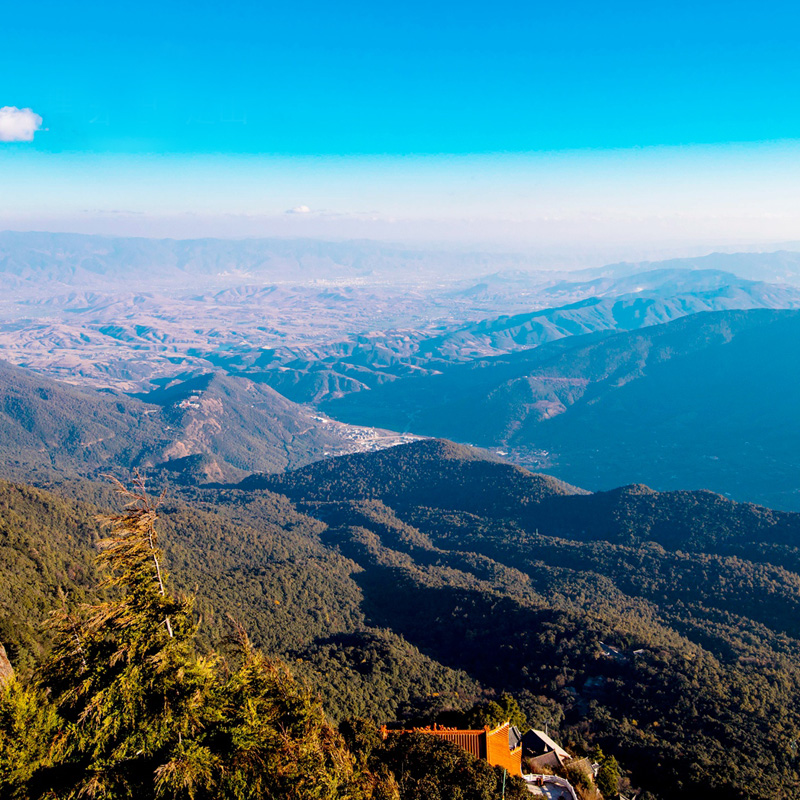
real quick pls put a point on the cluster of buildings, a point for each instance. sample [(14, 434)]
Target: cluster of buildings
[(504, 746)]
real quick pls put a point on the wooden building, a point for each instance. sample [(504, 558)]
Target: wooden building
[(500, 746)]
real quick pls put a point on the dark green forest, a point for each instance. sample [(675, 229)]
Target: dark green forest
[(425, 581)]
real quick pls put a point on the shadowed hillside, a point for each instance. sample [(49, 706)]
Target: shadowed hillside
[(705, 401)]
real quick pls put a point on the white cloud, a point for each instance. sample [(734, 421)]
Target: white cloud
[(299, 210), (18, 124)]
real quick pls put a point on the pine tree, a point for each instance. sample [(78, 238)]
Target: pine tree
[(608, 776)]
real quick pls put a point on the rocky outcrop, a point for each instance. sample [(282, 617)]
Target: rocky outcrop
[(6, 670)]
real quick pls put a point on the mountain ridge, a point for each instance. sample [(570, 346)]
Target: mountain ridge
[(609, 409), (51, 427)]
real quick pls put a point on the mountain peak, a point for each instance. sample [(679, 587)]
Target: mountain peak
[(443, 450), (431, 473), (636, 489)]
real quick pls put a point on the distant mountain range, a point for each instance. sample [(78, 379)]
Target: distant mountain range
[(86, 261), (708, 401), (603, 377), (330, 370), (659, 279), (649, 298), (317, 320), (782, 266)]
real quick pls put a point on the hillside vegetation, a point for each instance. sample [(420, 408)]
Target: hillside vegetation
[(129, 703), (417, 580), (201, 428)]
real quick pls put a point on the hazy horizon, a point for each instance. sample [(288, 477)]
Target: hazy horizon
[(663, 200), (553, 258)]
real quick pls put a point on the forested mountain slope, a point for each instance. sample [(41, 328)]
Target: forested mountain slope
[(434, 473), (48, 427), (660, 625), (255, 558)]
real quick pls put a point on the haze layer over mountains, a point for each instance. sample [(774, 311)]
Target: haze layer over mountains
[(246, 356)]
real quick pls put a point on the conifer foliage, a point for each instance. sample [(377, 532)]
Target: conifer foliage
[(126, 706)]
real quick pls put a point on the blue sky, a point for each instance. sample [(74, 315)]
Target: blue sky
[(332, 104)]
